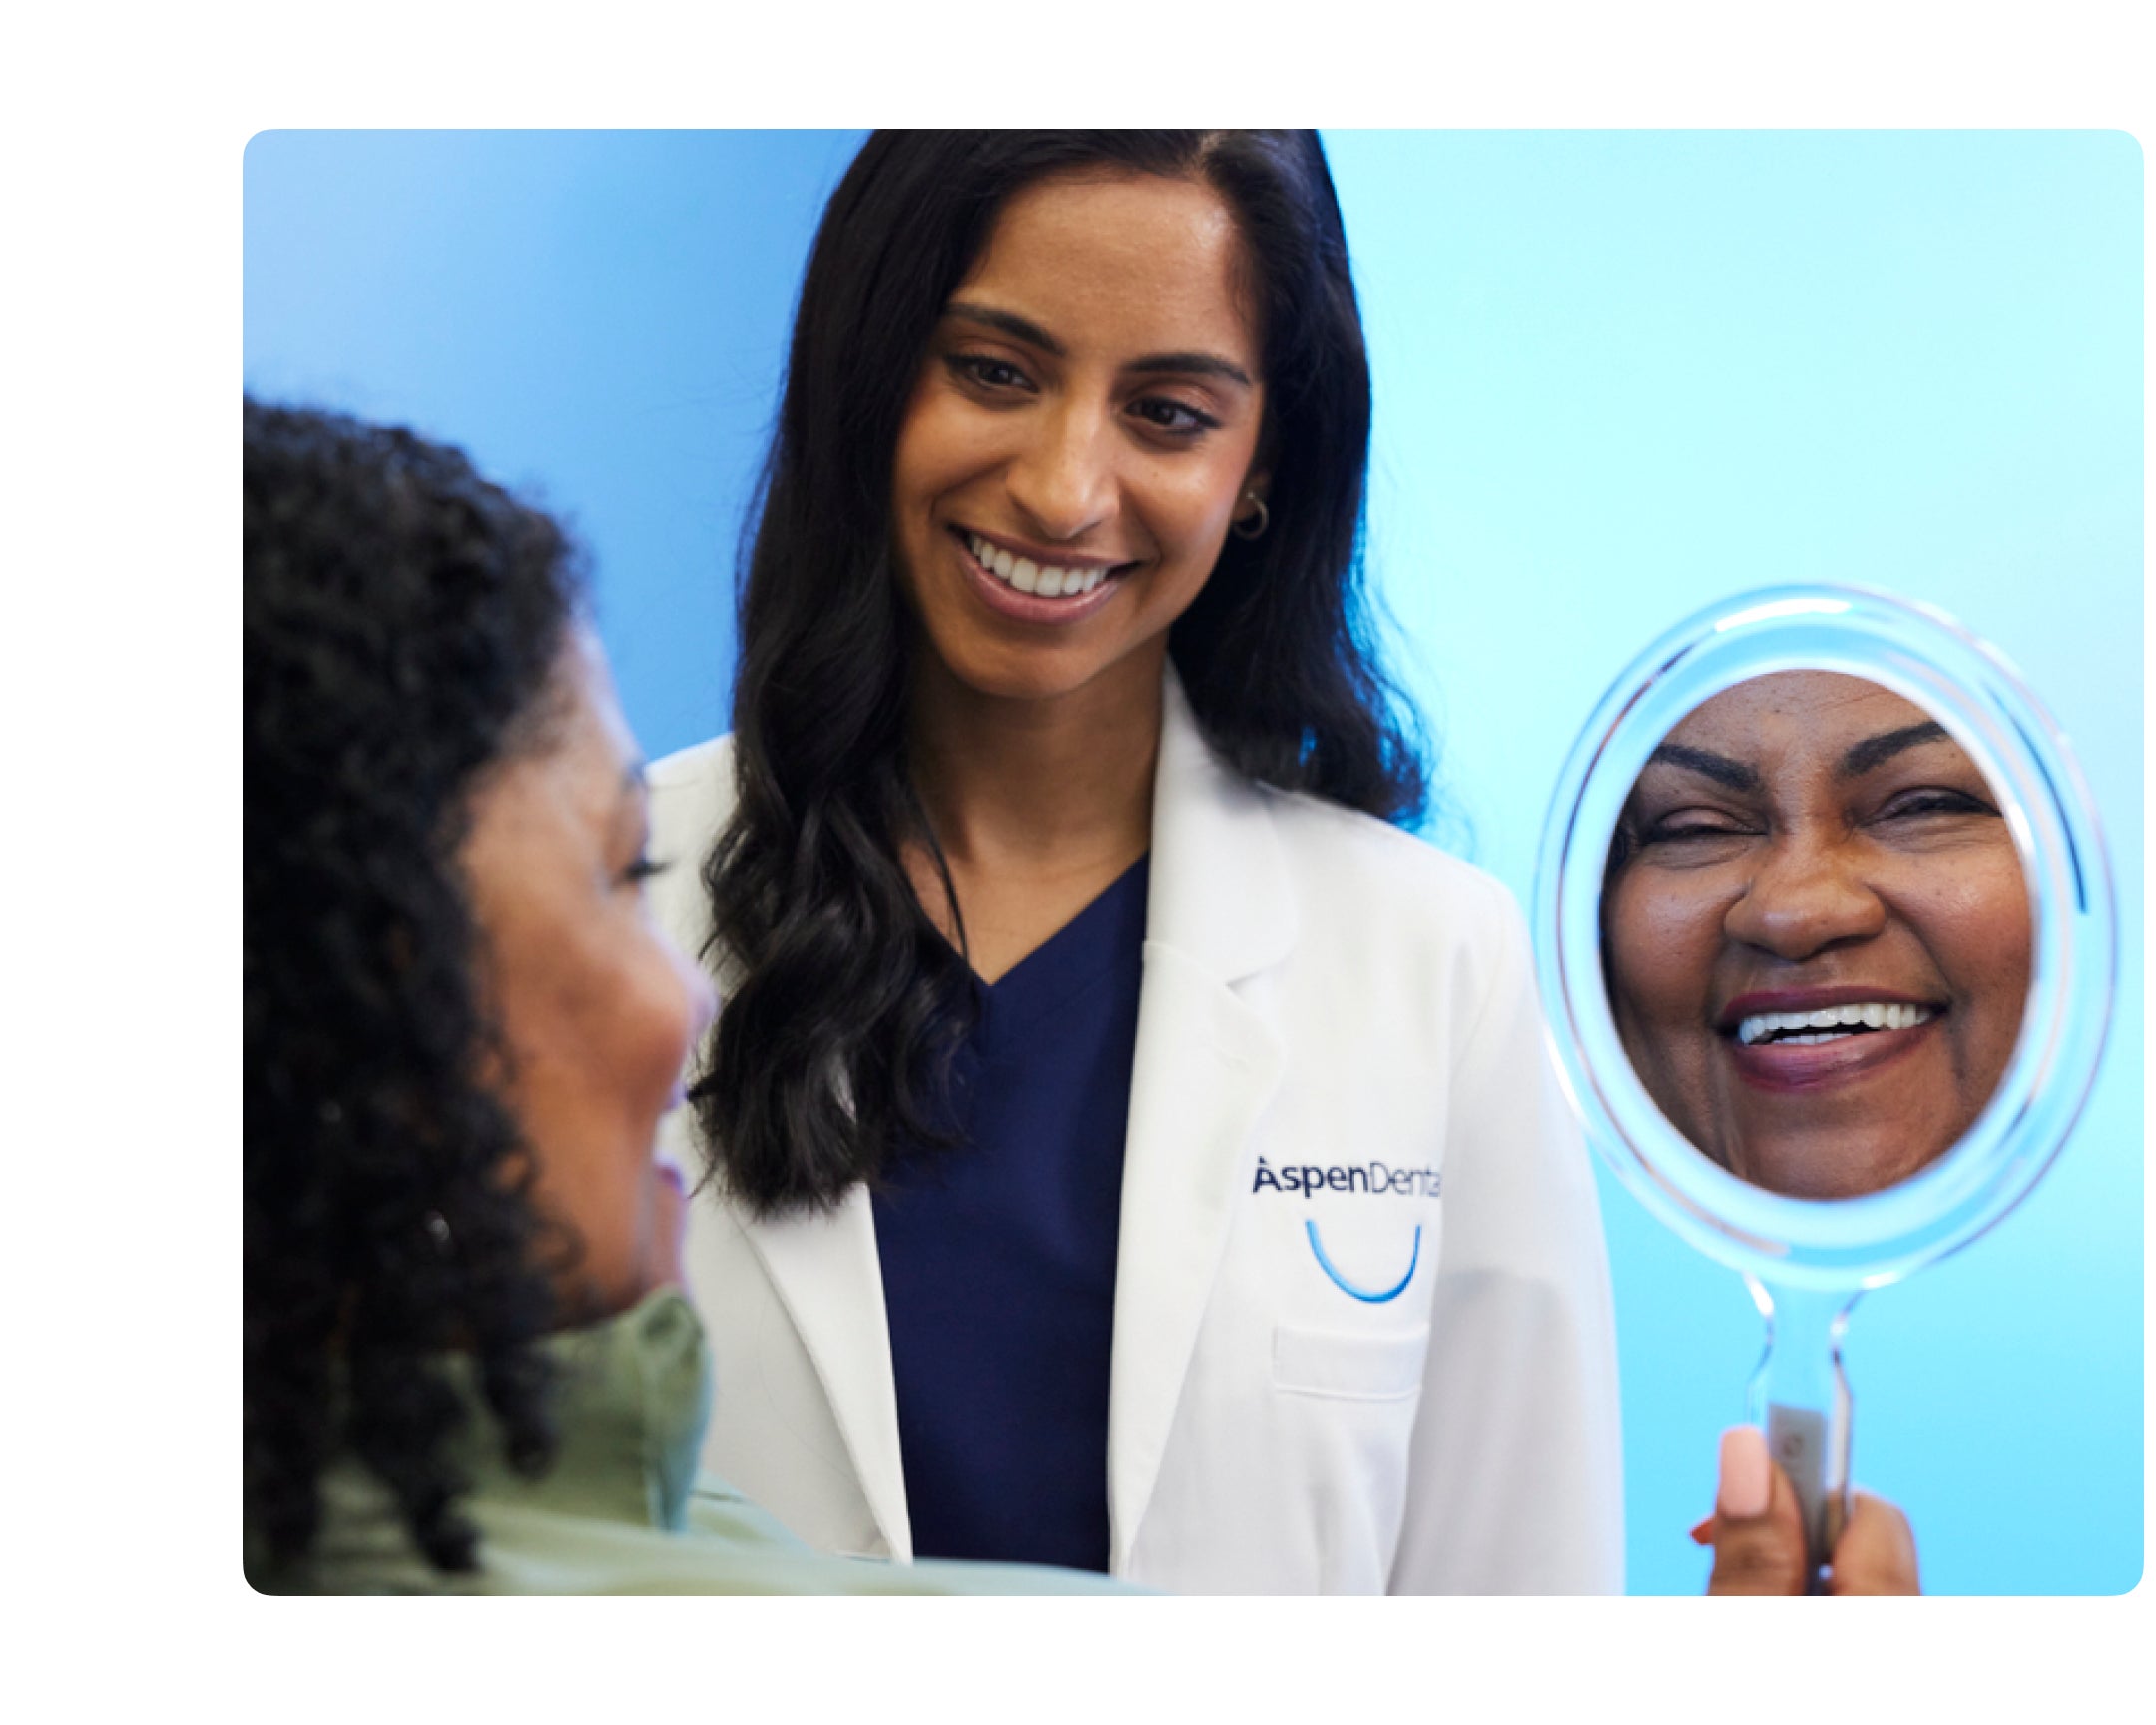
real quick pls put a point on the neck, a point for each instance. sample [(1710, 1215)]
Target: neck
[(1058, 782)]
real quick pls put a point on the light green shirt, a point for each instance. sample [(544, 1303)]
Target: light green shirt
[(620, 1510)]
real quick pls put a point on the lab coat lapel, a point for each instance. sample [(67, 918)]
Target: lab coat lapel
[(827, 1275), (1220, 910)]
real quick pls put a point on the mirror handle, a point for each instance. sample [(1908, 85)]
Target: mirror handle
[(1799, 1399)]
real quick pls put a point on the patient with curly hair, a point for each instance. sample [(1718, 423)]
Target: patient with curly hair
[(469, 1366)]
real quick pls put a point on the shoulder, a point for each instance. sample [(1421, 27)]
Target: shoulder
[(691, 799), (1389, 926), (698, 776), (1374, 871)]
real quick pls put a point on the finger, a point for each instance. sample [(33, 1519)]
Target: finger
[(1876, 1552), (1745, 1486), (1758, 1536)]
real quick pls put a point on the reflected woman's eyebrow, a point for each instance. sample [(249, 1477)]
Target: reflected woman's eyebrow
[(1026, 331), (1864, 755), (1720, 768)]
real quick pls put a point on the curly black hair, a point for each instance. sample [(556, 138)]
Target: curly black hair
[(404, 622)]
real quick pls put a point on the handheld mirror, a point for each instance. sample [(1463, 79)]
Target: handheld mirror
[(1826, 933)]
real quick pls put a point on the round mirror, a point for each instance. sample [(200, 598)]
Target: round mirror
[(1825, 936), (1997, 921), (1816, 933)]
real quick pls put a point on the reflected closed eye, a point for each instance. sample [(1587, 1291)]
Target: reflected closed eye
[(1937, 800), (1693, 823)]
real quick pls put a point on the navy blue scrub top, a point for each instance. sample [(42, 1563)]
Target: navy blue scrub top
[(999, 1256)]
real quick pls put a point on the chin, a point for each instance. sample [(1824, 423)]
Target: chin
[(1836, 1169), (1043, 675)]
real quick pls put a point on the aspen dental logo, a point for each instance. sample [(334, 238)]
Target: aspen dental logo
[(1374, 1177)]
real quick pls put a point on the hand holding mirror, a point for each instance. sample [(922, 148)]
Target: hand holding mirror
[(1825, 933)]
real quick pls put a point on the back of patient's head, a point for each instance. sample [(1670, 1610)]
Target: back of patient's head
[(403, 621)]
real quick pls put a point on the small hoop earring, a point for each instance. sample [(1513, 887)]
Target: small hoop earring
[(1253, 526)]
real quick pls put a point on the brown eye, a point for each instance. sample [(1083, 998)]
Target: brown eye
[(987, 372), (1177, 418)]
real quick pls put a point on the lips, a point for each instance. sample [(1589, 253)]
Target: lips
[(1812, 1039), (998, 593)]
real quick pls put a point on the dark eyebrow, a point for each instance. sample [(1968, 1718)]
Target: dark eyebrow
[(1193, 364), (1024, 330), (1008, 321), (1864, 755), (1720, 768)]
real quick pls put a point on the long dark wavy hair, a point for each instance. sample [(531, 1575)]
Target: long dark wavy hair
[(843, 1002), (402, 619)]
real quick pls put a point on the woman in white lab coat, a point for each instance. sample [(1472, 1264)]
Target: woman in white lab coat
[(1128, 1146)]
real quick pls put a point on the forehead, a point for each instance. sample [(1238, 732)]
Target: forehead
[(1812, 712), (1122, 259), (575, 771)]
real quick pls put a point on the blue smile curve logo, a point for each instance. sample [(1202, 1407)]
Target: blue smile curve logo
[(1347, 1287)]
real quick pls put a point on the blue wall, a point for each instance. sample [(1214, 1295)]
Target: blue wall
[(1618, 374)]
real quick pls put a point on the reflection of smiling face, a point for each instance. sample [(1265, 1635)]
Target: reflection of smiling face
[(1819, 937), (1080, 437)]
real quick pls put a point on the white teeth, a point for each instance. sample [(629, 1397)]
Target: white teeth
[(1047, 580), (1836, 1021)]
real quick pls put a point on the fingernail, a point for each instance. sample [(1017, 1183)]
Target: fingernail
[(1703, 1534), (1743, 1493)]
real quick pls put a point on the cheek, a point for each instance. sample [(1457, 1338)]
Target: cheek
[(1662, 946), (943, 442), (657, 1019), (1978, 930), (1195, 505)]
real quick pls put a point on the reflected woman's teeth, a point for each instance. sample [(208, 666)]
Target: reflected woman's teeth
[(1830, 1023), (1047, 580)]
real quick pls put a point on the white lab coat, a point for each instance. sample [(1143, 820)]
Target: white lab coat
[(1320, 991)]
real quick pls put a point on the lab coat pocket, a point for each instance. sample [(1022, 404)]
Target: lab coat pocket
[(1350, 1365)]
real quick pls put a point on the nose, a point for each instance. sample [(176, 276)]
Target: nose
[(1062, 478), (1807, 897)]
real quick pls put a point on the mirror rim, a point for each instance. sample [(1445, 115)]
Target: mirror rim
[(1921, 654)]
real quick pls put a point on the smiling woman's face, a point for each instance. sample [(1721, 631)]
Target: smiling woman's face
[(1819, 937), (1082, 432)]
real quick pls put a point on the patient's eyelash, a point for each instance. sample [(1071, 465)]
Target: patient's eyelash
[(642, 868), (1943, 801), (1691, 823)]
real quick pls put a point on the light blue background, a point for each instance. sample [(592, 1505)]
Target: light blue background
[(1618, 374)]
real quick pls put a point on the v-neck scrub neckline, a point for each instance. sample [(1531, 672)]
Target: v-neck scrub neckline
[(998, 1254)]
